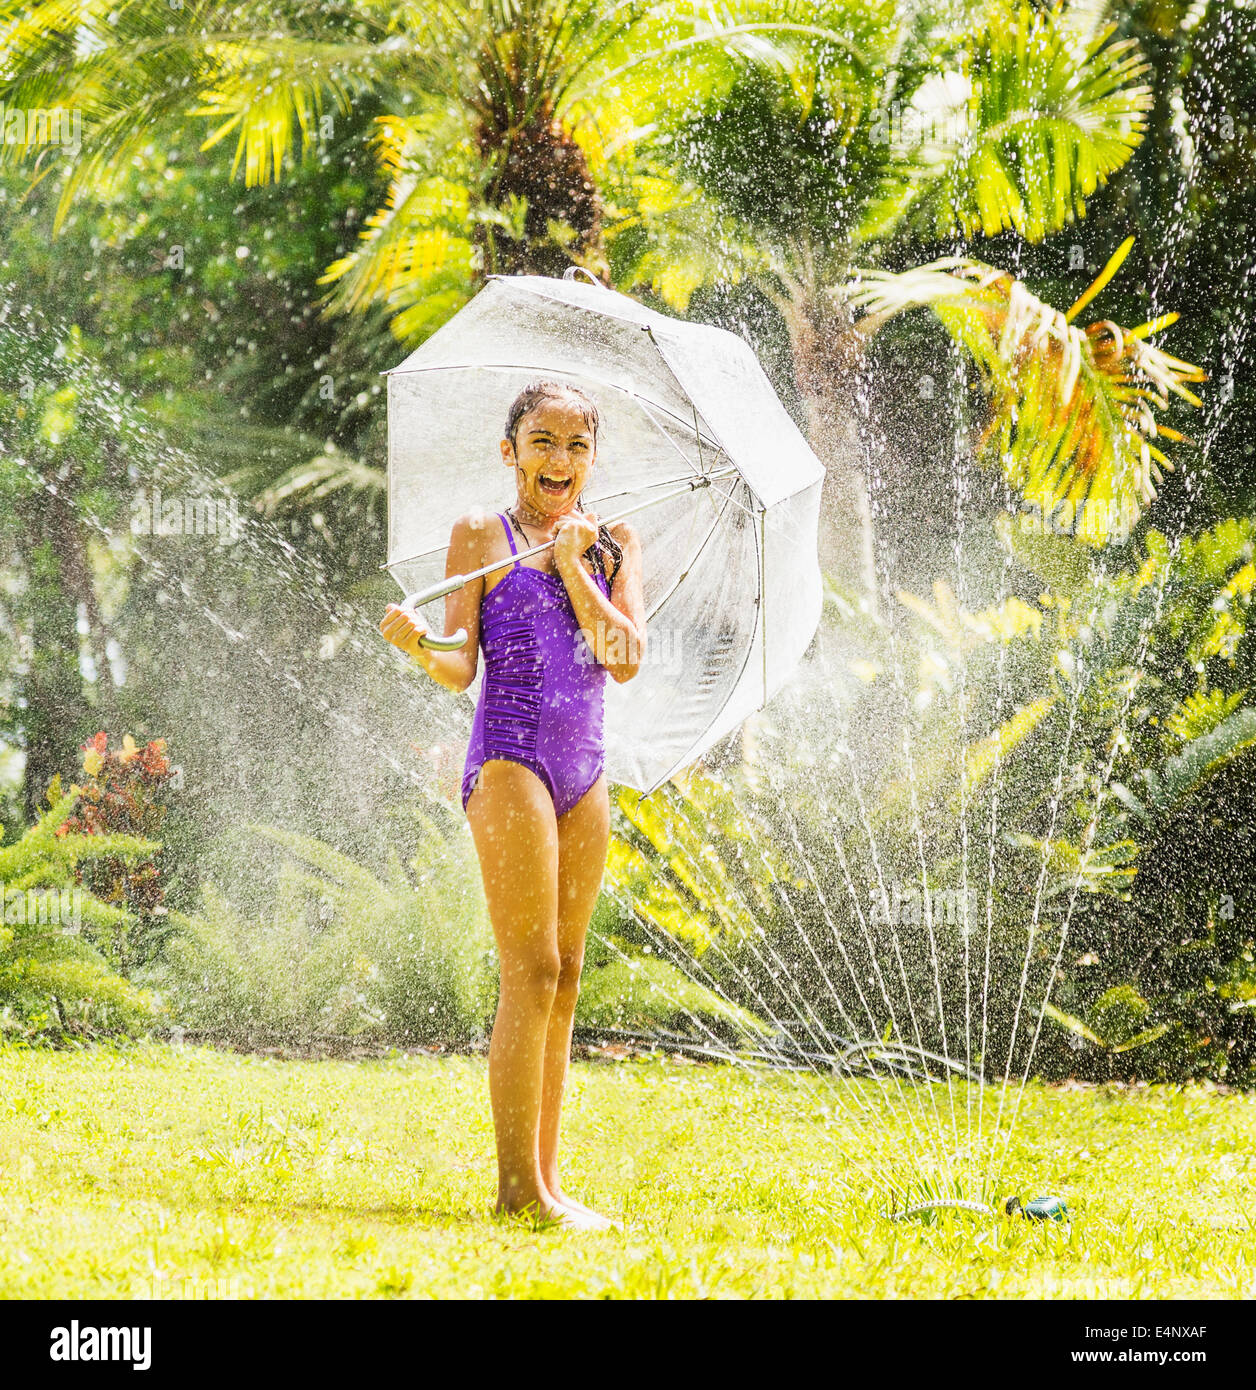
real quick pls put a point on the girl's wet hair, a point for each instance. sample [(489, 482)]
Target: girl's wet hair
[(537, 391)]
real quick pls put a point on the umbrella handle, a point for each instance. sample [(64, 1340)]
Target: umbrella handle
[(414, 601)]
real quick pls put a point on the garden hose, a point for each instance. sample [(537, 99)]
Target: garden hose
[(942, 1204)]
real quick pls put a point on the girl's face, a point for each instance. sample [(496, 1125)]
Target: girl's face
[(552, 456)]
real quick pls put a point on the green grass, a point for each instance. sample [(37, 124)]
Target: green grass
[(155, 1171)]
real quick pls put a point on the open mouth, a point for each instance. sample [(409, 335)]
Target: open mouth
[(554, 486)]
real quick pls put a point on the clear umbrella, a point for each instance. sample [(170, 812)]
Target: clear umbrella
[(693, 443)]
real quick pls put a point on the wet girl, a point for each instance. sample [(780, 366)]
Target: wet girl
[(533, 788)]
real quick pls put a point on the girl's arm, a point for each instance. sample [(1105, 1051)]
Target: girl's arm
[(454, 670), (614, 628)]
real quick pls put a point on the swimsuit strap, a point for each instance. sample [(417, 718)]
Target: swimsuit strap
[(510, 536), (594, 553)]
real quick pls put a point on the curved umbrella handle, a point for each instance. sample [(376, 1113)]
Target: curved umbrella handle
[(573, 271), (414, 601)]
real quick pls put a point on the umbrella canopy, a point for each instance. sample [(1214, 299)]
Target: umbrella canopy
[(731, 577)]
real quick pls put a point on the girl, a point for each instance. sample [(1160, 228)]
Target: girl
[(533, 788)]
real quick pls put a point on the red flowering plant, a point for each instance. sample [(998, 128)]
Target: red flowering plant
[(124, 795)]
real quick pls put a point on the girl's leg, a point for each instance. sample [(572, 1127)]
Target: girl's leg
[(516, 837), (583, 833)]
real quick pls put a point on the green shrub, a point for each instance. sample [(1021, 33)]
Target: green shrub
[(338, 950), (332, 949), (60, 946), (643, 993)]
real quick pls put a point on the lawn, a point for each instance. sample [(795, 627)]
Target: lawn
[(156, 1171)]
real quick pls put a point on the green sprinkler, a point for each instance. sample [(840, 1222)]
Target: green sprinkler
[(1040, 1209)]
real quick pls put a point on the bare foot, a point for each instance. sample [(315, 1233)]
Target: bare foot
[(547, 1210), (596, 1221), (543, 1211), (584, 1218), (556, 1216)]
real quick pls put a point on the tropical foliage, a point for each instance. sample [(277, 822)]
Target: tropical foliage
[(331, 951), (1042, 106), (1070, 415), (927, 895), (1031, 690), (124, 793), (922, 128), (60, 946)]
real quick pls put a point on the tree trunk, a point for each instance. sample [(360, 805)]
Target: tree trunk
[(542, 165), (828, 357), (58, 716)]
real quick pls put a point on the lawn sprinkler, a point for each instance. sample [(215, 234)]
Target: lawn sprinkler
[(1040, 1209), (927, 1197)]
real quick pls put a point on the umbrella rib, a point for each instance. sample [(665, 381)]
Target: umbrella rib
[(697, 473), (687, 756), (701, 473), (684, 390), (695, 482), (689, 564), (601, 497), (597, 501)]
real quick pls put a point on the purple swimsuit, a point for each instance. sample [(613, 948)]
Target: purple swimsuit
[(541, 700)]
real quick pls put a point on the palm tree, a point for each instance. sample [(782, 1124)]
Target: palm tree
[(478, 133), (700, 141), (499, 122), (496, 112), (505, 165), (59, 445), (1011, 119)]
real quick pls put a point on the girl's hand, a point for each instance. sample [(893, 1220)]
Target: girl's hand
[(403, 628), (575, 534)]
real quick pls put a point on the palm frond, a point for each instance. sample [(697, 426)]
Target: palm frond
[(666, 236), (417, 244), (1201, 758), (1051, 113), (1071, 418), (311, 481), (134, 70), (272, 96)]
